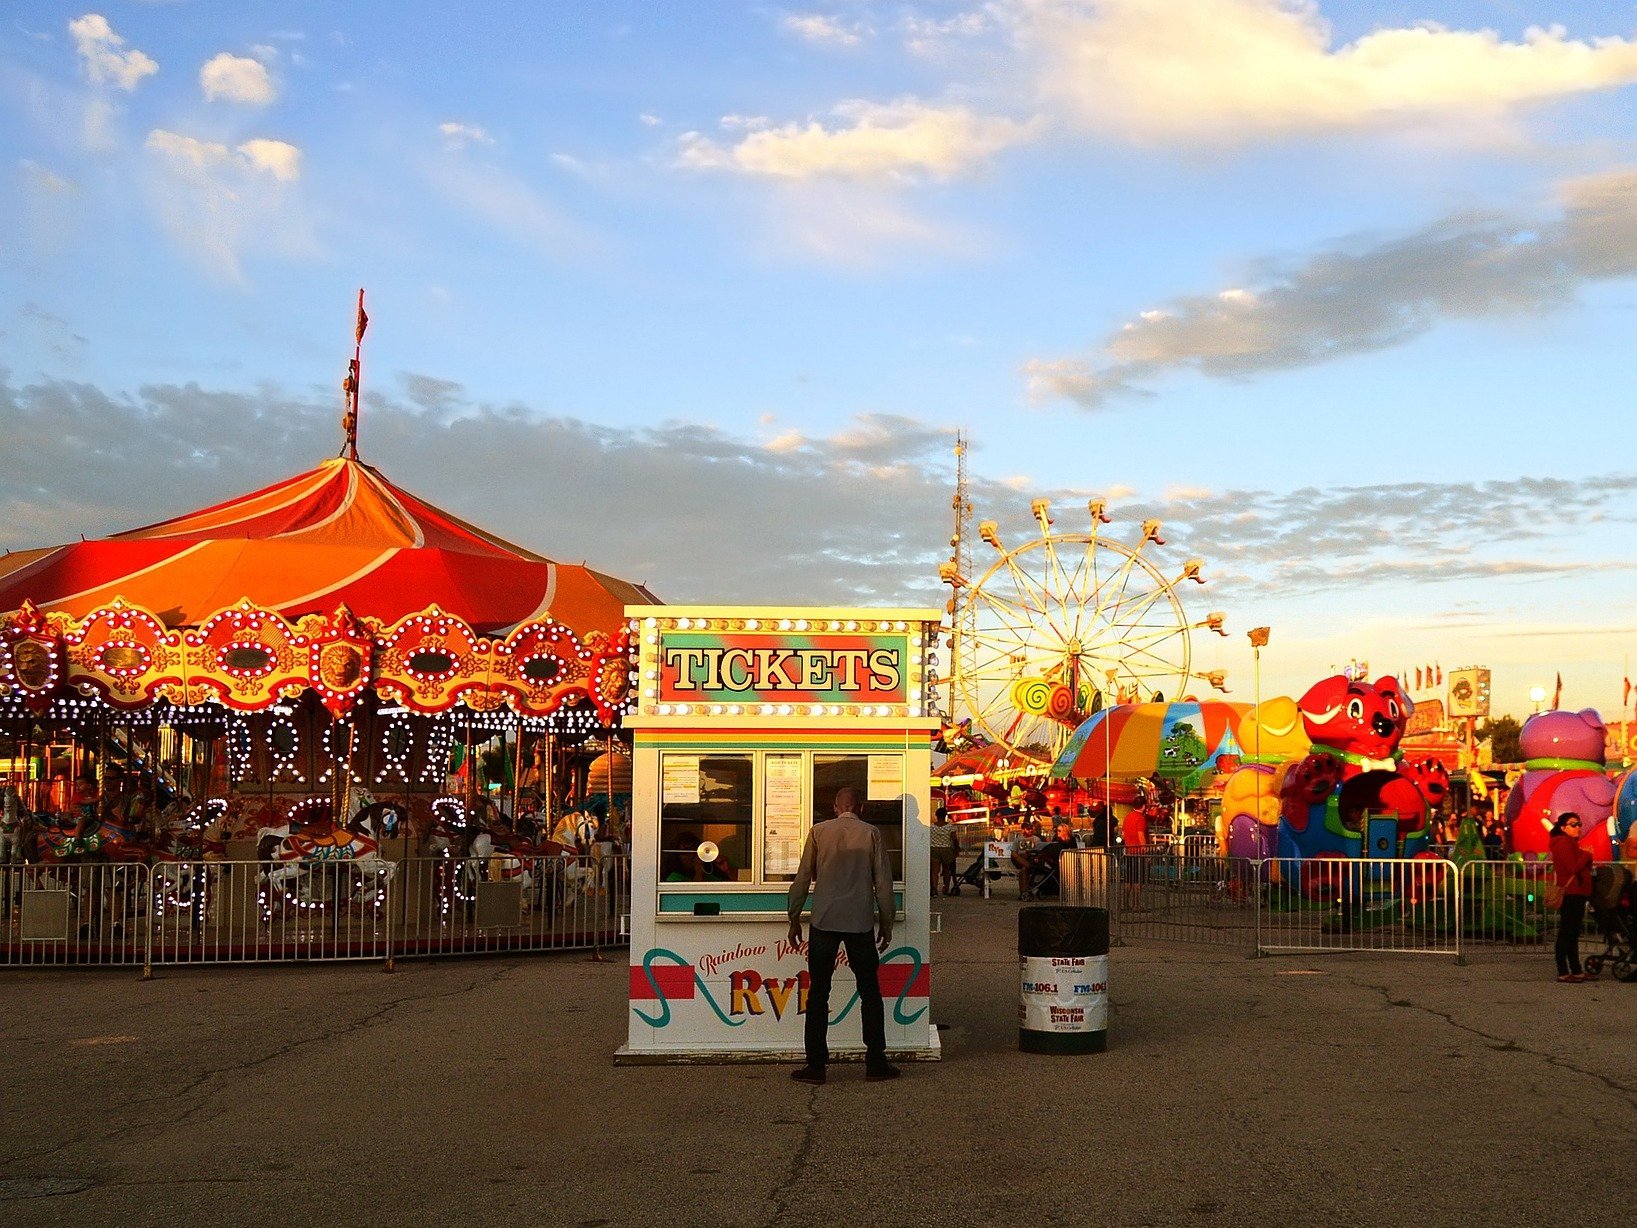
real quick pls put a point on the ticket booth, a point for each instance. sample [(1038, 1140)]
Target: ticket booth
[(748, 720)]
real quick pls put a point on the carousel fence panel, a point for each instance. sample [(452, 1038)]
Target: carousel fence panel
[(469, 906), (73, 914), (224, 912)]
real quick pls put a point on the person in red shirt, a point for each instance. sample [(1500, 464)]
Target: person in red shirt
[(1572, 870), (1134, 841)]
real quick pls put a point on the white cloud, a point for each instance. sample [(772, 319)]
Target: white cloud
[(1363, 296), (874, 140), (105, 63), (790, 441), (458, 136), (45, 178), (830, 31), (234, 78), (279, 159), (855, 226), (1065, 379), (216, 200), (929, 36), (649, 121), (1233, 69)]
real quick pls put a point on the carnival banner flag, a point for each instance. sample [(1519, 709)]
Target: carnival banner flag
[(363, 321), (1626, 698), (1557, 694), (1259, 639), (1418, 677), (1440, 675)]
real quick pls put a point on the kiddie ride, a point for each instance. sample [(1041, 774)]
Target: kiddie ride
[(1328, 812)]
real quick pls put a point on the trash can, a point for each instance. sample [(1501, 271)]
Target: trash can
[(1063, 961)]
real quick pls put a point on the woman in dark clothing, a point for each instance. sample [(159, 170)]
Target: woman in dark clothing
[(1572, 867)]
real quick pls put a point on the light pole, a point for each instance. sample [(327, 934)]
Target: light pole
[(1537, 696), (1258, 641)]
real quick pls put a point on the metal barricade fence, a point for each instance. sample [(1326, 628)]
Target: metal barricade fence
[(451, 906), (82, 914), (1400, 905), (1183, 895), (240, 912), (1508, 902), (219, 912)]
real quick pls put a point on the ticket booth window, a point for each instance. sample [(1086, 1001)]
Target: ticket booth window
[(706, 798), (879, 780)]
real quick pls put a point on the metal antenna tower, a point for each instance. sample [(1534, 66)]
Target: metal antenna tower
[(957, 573)]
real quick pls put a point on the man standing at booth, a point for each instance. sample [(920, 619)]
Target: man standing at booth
[(852, 907)]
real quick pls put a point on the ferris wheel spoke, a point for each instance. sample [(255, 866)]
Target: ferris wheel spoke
[(1057, 586), (1034, 597)]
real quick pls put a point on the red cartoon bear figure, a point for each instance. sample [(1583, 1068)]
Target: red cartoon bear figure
[(1355, 727), (1429, 776)]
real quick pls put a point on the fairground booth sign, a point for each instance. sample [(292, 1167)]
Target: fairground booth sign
[(747, 721)]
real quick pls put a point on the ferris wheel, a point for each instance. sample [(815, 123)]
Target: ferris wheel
[(1064, 624)]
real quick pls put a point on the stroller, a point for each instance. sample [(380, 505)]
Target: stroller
[(1613, 907)]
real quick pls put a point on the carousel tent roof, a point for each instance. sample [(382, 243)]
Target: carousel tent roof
[(338, 534)]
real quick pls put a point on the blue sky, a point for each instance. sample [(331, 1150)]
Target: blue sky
[(1342, 293)]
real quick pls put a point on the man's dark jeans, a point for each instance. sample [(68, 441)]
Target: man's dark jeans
[(822, 946)]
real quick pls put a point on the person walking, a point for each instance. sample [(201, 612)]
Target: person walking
[(942, 838), (852, 893), (1572, 871)]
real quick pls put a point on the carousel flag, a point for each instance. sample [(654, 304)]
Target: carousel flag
[(363, 321), (1259, 636), (1557, 693)]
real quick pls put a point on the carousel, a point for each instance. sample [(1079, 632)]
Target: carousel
[(288, 701)]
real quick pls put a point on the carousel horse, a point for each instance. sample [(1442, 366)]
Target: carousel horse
[(182, 841), (292, 852), (14, 823), (93, 852)]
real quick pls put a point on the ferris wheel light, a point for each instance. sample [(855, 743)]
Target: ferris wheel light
[(990, 533), (1099, 512)]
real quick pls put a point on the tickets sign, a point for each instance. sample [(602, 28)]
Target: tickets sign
[(747, 668)]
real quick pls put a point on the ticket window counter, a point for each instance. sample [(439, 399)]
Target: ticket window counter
[(731, 824), (723, 797)]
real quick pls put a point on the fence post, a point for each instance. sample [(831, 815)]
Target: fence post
[(395, 887), (1461, 916), (149, 925), (1261, 868)]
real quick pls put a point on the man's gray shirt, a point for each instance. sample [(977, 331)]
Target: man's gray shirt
[(848, 859)]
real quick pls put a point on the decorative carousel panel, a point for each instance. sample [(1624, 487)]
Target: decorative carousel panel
[(33, 661), (431, 660), (612, 686), (124, 654), (245, 656), (541, 663), (340, 659)]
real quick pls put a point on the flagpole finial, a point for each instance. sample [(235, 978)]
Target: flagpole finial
[(349, 386)]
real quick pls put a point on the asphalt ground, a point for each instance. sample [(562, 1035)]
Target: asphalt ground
[(1347, 1089)]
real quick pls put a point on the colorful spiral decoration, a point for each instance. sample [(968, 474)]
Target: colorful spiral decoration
[(1031, 695), (1061, 706)]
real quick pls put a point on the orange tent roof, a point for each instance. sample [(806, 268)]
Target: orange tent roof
[(338, 534)]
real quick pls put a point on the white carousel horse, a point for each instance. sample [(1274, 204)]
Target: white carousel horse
[(179, 879), (11, 825), (290, 858)]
